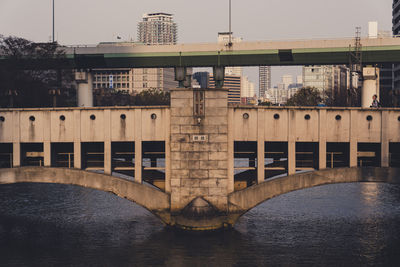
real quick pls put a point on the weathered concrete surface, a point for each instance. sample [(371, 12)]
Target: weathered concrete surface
[(155, 201), (242, 201), (199, 169)]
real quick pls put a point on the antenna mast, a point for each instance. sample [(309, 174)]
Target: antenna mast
[(230, 23)]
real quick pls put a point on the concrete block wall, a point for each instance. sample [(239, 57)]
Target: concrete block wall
[(199, 169)]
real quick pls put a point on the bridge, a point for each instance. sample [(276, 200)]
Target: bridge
[(199, 163), (182, 56), (273, 53)]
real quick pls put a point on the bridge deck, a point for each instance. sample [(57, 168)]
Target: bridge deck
[(302, 52)]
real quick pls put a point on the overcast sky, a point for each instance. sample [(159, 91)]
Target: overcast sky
[(94, 21)]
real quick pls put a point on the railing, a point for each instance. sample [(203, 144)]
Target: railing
[(65, 160), (123, 161), (94, 161)]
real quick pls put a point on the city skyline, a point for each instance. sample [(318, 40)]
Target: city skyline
[(193, 27)]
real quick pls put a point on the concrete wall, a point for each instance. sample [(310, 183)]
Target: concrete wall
[(78, 125), (308, 130)]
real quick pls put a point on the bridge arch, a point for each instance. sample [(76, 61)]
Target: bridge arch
[(242, 201), (152, 199)]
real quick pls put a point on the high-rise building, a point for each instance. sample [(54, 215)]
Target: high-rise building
[(248, 88), (319, 77), (396, 67), (299, 80), (233, 83), (287, 80), (157, 28), (202, 78), (331, 81), (264, 80)]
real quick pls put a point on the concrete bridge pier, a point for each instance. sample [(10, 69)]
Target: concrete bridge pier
[(199, 158), (84, 79), (370, 86)]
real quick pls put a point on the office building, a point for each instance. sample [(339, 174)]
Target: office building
[(156, 29), (113, 79), (331, 81), (264, 80), (202, 78), (233, 83), (287, 80), (248, 88)]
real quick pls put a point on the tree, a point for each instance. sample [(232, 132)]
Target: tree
[(35, 87), (265, 103), (150, 97), (308, 96)]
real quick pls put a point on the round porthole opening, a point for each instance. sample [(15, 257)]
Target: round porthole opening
[(123, 116), (369, 118), (246, 116), (276, 116), (62, 118), (153, 116), (338, 117), (398, 118), (2, 119), (32, 118), (307, 117), (92, 117)]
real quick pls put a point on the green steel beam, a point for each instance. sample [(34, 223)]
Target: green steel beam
[(256, 57)]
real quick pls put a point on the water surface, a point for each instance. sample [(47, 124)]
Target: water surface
[(333, 225)]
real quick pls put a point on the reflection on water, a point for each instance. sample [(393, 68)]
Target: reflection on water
[(348, 224)]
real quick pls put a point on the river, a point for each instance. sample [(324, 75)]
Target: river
[(333, 225)]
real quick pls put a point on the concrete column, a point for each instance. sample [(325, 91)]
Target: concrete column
[(353, 138), (84, 79), (291, 142), (47, 138), (385, 139), (231, 159), (370, 86), (107, 142), (260, 146), (16, 154), (16, 140), (77, 140), (77, 155), (47, 153), (138, 145), (107, 157), (322, 139)]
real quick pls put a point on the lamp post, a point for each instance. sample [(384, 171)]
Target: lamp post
[(230, 23), (53, 21)]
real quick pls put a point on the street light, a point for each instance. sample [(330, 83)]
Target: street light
[(230, 23), (53, 21)]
